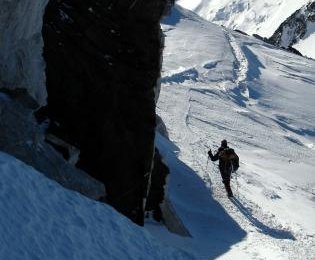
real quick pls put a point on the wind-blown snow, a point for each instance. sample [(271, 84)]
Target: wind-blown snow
[(250, 16), (41, 220), (221, 84), (21, 61)]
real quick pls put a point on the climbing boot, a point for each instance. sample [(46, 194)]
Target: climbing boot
[(228, 188)]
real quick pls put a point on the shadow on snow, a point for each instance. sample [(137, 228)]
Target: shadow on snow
[(261, 227), (174, 18), (285, 124), (212, 228), (181, 77)]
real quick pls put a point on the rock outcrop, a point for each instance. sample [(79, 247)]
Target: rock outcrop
[(295, 28), (21, 44), (103, 66), (22, 137), (157, 187)]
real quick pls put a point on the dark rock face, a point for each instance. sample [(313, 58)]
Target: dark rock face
[(22, 137), (158, 182), (294, 28), (103, 61)]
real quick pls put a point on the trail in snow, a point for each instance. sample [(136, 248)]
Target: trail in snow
[(243, 91), (261, 227), (241, 65), (249, 215)]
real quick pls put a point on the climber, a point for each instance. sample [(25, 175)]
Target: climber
[(228, 163)]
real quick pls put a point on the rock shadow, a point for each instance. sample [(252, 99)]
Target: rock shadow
[(213, 230)]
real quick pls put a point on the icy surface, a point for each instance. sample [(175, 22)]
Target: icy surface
[(41, 220), (21, 61), (221, 84), (251, 16)]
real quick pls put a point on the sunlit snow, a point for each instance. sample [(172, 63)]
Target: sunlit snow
[(221, 84), (252, 16)]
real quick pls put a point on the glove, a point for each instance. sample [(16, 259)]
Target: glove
[(210, 153)]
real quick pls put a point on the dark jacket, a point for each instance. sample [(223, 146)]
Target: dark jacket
[(225, 168)]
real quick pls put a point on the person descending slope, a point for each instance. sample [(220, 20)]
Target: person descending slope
[(228, 163)]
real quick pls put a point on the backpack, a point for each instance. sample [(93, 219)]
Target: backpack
[(229, 159)]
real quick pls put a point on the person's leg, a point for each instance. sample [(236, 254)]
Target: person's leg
[(226, 181), (228, 188)]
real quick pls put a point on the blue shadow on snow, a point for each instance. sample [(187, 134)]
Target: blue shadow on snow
[(284, 123), (261, 227), (181, 77), (213, 230), (174, 18)]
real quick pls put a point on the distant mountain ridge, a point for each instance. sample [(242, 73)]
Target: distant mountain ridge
[(251, 16), (298, 31)]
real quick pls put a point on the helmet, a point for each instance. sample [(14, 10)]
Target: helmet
[(224, 143)]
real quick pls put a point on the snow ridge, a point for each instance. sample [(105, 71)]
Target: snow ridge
[(241, 65)]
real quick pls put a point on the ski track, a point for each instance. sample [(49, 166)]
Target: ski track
[(262, 227)]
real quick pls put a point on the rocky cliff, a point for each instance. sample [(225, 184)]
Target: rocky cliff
[(22, 91), (103, 62), (21, 61), (299, 26)]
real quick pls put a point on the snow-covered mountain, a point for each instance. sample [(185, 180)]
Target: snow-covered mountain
[(298, 31), (250, 16), (221, 84), (103, 61)]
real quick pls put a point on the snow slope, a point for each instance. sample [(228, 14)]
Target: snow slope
[(220, 84), (250, 16), (41, 220)]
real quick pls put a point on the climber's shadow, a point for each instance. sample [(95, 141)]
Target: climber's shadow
[(261, 227)]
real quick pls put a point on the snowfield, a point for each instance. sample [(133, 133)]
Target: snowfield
[(251, 16), (41, 220), (221, 84)]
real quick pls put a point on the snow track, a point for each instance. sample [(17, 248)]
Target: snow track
[(240, 65), (262, 227), (229, 86)]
